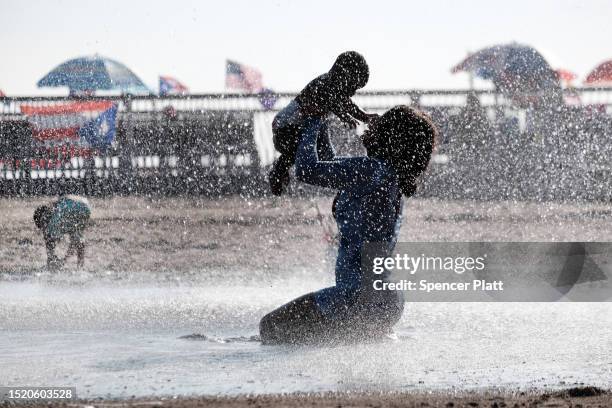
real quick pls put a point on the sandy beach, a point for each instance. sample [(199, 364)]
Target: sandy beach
[(574, 397), (158, 269), (198, 236)]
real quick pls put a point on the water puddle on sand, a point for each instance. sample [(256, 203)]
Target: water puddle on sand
[(183, 340)]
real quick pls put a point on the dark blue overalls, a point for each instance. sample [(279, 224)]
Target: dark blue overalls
[(368, 209)]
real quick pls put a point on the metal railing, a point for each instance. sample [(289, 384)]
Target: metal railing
[(251, 102), (222, 143)]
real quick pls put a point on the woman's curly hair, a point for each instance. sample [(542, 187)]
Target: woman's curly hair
[(405, 137)]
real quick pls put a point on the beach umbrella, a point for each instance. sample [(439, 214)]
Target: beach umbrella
[(601, 75), (86, 74), (513, 68)]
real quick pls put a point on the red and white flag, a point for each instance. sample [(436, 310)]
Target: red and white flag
[(242, 77), (89, 124), (171, 86)]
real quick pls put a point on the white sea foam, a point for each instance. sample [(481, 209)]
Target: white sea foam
[(126, 340)]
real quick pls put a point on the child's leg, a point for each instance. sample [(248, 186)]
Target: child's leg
[(286, 140), (76, 246), (279, 175), (80, 220)]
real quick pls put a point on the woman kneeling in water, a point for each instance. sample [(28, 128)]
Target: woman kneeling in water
[(367, 209)]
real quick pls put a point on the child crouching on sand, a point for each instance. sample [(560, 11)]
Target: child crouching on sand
[(68, 215)]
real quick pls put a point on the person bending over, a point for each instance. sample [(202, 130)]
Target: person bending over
[(328, 93), (367, 209), (68, 215)]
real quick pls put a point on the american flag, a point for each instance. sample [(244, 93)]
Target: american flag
[(169, 86), (243, 77), (87, 124)]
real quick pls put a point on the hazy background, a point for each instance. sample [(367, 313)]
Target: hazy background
[(407, 44)]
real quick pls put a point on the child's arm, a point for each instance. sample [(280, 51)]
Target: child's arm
[(350, 173), (53, 262), (346, 108), (355, 111), (325, 149), (80, 248)]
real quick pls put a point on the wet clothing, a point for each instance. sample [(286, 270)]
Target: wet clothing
[(69, 216), (368, 209), (287, 129)]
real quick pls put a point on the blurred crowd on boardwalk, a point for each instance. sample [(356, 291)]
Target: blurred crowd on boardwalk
[(530, 135)]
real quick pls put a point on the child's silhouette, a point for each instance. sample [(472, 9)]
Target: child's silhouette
[(328, 93)]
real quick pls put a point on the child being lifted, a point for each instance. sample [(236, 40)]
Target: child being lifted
[(328, 93)]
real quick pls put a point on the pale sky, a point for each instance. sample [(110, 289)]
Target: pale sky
[(407, 44)]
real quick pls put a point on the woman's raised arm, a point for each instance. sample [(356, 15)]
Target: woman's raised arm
[(343, 173)]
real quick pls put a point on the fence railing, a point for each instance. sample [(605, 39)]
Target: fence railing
[(252, 102), (222, 143)]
